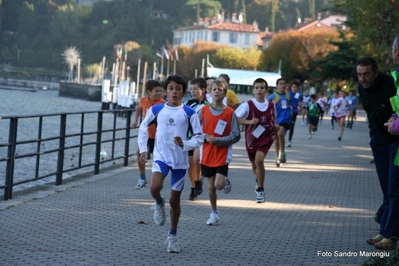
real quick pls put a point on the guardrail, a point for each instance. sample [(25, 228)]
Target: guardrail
[(33, 140)]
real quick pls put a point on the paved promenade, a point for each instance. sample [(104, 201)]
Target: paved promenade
[(317, 212)]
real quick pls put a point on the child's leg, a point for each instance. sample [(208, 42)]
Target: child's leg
[(259, 168), (191, 169), (156, 184), (212, 192)]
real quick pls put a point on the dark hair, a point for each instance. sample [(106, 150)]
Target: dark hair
[(368, 61), (278, 80), (178, 79), (261, 80), (313, 96), (295, 82), (208, 78), (151, 84), (199, 81), (226, 77)]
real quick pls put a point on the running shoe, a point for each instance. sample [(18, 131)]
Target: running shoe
[(141, 183), (227, 187), (173, 244), (283, 158), (198, 187), (192, 196), (213, 219), (159, 214), (260, 196)]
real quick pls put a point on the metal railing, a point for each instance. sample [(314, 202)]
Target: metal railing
[(39, 137)]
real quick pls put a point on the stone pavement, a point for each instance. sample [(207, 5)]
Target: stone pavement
[(318, 212)]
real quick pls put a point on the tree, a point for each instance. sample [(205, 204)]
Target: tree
[(65, 27), (375, 24), (296, 51), (338, 65)]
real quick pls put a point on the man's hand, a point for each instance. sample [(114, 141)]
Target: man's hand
[(134, 125), (389, 126)]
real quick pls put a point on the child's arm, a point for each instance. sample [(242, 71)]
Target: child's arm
[(233, 137)]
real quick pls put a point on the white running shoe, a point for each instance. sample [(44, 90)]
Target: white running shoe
[(310, 136), (173, 244), (260, 196), (289, 144), (213, 219), (227, 187), (142, 183), (159, 214)]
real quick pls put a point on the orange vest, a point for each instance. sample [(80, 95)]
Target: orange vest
[(144, 105), (213, 156)]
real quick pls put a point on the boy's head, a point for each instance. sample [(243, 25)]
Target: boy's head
[(280, 85), (294, 86), (313, 98), (225, 78), (260, 88), (175, 87), (154, 89), (219, 84), (209, 83), (197, 87), (177, 79)]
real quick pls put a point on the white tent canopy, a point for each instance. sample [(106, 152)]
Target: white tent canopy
[(244, 77)]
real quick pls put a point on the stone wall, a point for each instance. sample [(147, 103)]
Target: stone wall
[(80, 91)]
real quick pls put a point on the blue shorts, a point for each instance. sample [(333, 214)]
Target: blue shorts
[(176, 178)]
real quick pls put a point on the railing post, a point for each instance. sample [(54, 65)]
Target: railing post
[(98, 142), (61, 151), (12, 140), (127, 140)]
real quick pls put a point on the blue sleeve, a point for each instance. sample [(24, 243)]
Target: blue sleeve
[(271, 97)]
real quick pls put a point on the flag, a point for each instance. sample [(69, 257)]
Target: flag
[(176, 55), (165, 53)]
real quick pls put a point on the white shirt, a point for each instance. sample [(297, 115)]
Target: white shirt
[(171, 122), (341, 107)]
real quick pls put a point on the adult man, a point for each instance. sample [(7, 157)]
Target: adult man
[(174, 120), (281, 100), (375, 90)]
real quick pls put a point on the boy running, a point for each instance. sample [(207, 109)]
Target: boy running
[(281, 100), (154, 92), (259, 117), (174, 120), (221, 131)]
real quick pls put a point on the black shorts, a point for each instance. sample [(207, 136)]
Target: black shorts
[(191, 153), (212, 171), (150, 145), (286, 126), (313, 120)]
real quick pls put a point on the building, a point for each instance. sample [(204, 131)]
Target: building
[(324, 22), (232, 32)]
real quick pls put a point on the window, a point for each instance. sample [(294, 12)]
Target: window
[(233, 37), (215, 36), (247, 39)]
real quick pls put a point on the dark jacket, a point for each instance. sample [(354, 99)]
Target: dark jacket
[(378, 107)]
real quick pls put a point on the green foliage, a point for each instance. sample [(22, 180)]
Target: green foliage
[(338, 65), (392, 260), (375, 24)]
